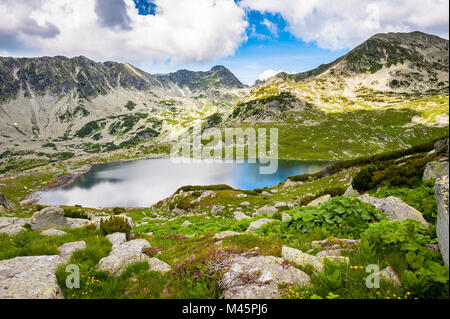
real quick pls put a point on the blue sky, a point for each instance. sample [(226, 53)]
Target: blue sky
[(250, 37)]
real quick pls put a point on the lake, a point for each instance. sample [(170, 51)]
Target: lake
[(141, 183)]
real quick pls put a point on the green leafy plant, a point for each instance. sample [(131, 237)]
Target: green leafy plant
[(340, 215)]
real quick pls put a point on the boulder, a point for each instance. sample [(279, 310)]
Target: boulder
[(241, 195), (389, 274), (441, 190), (297, 257), (240, 216), (227, 233), (285, 217), (117, 239), (53, 217), (351, 192), (328, 253), (125, 254), (259, 278), (258, 224), (27, 202), (264, 193), (434, 170), (6, 202), (158, 265), (268, 210), (2, 210), (217, 209), (53, 232), (66, 250), (320, 200), (12, 225), (394, 208), (31, 277), (243, 204), (440, 144)]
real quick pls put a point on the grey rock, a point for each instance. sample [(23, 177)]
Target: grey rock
[(125, 254), (327, 253), (116, 239), (240, 216), (243, 204), (242, 196), (389, 274), (434, 170), (441, 190), (217, 209), (12, 225), (297, 257), (351, 192), (394, 208), (66, 250), (158, 265), (440, 144), (264, 193), (259, 278), (268, 210), (27, 202), (30, 277), (320, 200), (53, 217), (225, 234), (285, 217), (53, 232), (2, 210), (6, 202), (254, 226)]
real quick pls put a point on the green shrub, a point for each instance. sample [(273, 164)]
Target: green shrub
[(115, 224), (75, 213), (345, 216), (409, 238), (118, 210), (130, 105)]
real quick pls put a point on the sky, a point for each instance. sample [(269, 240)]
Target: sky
[(255, 39)]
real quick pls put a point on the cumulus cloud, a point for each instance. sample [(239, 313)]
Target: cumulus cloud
[(113, 13), (179, 31), (269, 73), (343, 24)]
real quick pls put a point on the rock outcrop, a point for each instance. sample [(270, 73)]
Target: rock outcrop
[(225, 234), (66, 250), (268, 210), (441, 190), (30, 278), (351, 192), (259, 278), (434, 170), (53, 217), (240, 216), (6, 202), (12, 225), (116, 239), (127, 253), (394, 208), (299, 258), (320, 200), (53, 232), (254, 226)]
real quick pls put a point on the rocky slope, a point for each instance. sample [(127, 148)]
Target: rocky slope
[(57, 105)]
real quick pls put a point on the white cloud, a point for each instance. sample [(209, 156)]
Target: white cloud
[(341, 24), (272, 27), (269, 73), (181, 31)]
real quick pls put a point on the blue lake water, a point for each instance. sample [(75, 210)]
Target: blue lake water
[(142, 183)]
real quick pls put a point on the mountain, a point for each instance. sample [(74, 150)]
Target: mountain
[(73, 106), (390, 92), (384, 70)]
